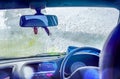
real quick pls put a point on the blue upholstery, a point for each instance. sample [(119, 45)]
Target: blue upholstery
[(110, 58)]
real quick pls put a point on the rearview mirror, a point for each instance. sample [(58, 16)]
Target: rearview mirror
[(38, 21)]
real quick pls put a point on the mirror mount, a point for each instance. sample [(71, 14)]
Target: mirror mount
[(38, 11)]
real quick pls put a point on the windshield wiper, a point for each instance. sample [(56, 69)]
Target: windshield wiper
[(48, 55), (6, 58), (38, 55)]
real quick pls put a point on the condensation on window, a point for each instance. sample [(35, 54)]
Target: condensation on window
[(78, 26)]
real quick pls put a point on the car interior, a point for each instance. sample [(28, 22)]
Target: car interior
[(90, 59)]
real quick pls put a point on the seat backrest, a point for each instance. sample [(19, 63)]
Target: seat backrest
[(110, 56)]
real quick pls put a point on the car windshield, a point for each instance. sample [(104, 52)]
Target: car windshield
[(78, 26)]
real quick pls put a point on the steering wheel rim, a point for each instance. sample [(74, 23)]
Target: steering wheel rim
[(67, 57)]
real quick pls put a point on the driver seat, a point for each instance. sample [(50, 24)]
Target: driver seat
[(109, 60)]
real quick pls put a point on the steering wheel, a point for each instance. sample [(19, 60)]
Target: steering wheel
[(63, 65)]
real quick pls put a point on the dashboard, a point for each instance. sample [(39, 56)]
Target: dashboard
[(6, 72), (44, 67), (41, 70)]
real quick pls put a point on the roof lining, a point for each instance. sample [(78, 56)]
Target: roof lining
[(15, 4)]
